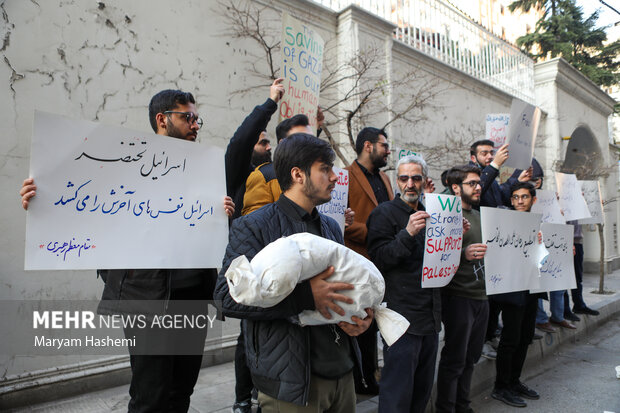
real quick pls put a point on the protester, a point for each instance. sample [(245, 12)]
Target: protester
[(464, 305), (396, 246), (248, 148), (579, 305), (483, 155), (519, 317), (295, 366), (368, 187), (160, 383)]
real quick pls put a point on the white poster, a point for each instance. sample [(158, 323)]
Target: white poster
[(401, 153), (497, 128), (558, 271), (592, 194), (110, 197), (444, 239), (547, 204), (572, 202), (340, 196), (513, 256), (522, 130), (302, 62)]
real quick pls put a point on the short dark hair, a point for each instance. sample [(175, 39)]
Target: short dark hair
[(165, 100), (288, 124), (523, 185), (483, 142), (368, 134), (299, 150), (458, 174)]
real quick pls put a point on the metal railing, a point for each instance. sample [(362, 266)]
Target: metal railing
[(438, 29)]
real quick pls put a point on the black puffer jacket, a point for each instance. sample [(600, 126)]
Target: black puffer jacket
[(277, 350)]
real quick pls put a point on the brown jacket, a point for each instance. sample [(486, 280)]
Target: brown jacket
[(362, 201)]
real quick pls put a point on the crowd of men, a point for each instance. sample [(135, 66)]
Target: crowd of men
[(321, 368)]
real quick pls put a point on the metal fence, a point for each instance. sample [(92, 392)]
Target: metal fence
[(438, 29)]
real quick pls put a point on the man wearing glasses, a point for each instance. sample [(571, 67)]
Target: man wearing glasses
[(368, 187), (464, 304), (160, 383), (396, 246)]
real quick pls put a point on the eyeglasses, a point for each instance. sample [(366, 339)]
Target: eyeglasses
[(190, 117), (405, 178), (521, 197), (472, 184), (485, 153)]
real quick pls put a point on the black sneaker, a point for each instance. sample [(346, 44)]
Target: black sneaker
[(522, 390), (585, 310), (571, 316), (242, 407), (509, 397)]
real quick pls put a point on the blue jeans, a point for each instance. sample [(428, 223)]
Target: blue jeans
[(556, 303)]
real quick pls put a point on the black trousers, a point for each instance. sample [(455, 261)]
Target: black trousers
[(517, 333), (243, 378), (367, 342), (407, 376), (164, 383), (493, 320), (465, 324), (576, 293)]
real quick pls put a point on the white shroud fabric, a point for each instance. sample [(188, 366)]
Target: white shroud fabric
[(276, 269)]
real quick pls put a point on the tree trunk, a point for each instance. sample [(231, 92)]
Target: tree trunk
[(601, 281)]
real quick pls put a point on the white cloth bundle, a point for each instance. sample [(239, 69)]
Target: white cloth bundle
[(276, 269)]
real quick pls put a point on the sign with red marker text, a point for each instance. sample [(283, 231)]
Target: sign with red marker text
[(110, 197), (340, 197), (444, 239), (302, 63), (497, 128)]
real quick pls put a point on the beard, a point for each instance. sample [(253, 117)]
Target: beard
[(377, 160), (410, 196), (175, 132), (313, 194), (260, 158), (468, 199)]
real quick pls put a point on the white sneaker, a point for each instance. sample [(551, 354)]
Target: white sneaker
[(488, 352)]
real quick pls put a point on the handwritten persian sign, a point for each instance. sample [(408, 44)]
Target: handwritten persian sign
[(572, 201), (522, 130), (547, 204), (557, 272), (592, 194), (497, 128), (340, 197), (513, 254), (302, 63), (444, 239), (109, 197)]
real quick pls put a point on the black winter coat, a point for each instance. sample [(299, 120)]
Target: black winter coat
[(277, 350)]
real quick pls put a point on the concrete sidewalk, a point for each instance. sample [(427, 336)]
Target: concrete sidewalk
[(214, 392)]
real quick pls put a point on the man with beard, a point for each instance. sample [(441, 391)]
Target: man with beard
[(249, 146), (519, 317), (396, 246), (261, 187), (295, 368), (160, 382), (368, 187), (464, 305)]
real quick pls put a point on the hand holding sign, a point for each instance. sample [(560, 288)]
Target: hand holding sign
[(416, 222), (276, 91), (475, 252)]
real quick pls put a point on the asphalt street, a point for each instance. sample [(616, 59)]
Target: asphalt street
[(579, 378)]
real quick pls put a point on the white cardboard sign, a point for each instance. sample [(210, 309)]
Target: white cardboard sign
[(513, 256), (444, 239), (572, 202), (340, 196), (110, 197), (592, 194), (547, 204), (558, 271), (522, 130), (497, 128)]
